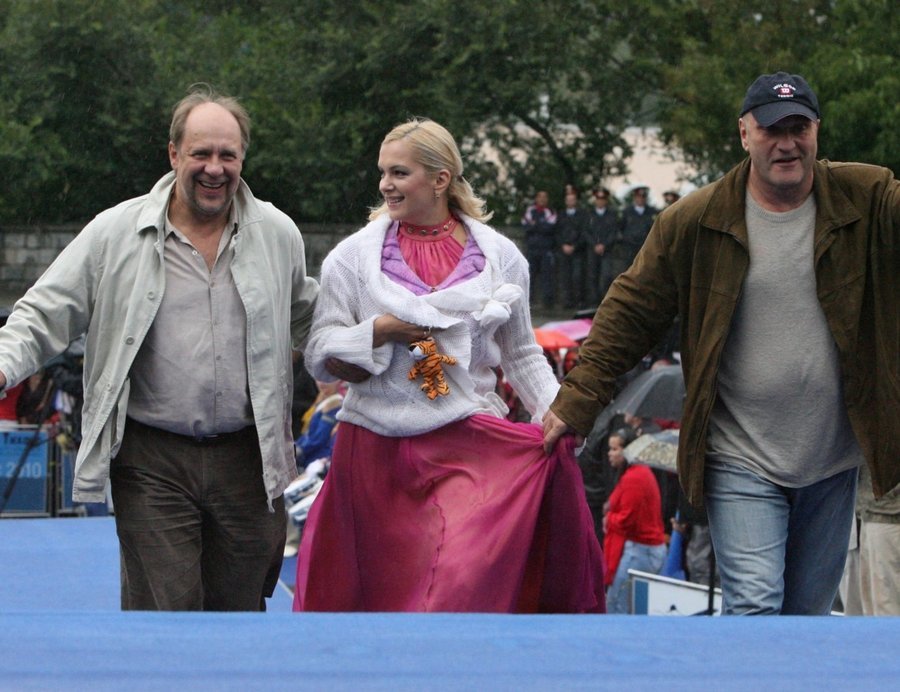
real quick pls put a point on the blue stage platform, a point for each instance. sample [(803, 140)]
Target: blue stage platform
[(73, 564), (59, 630)]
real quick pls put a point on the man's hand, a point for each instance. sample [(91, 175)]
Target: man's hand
[(346, 371), (554, 428), (387, 328)]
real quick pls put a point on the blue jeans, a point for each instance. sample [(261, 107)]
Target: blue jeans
[(639, 556), (779, 550)]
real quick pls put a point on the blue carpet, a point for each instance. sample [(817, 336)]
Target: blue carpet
[(59, 631), (73, 564), (210, 651)]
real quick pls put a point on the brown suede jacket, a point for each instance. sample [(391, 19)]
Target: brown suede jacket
[(693, 264)]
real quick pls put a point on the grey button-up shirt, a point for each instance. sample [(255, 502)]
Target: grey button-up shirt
[(190, 374)]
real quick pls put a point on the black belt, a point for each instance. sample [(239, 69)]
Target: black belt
[(206, 440)]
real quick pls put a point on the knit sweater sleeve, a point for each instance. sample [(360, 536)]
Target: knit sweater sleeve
[(337, 331), (523, 361)]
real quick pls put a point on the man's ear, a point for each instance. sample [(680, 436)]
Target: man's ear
[(742, 128)]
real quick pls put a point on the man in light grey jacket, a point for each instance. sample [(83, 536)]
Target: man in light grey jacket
[(191, 297)]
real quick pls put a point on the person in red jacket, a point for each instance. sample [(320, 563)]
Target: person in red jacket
[(633, 525)]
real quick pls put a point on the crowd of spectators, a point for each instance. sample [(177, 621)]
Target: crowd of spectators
[(575, 254)]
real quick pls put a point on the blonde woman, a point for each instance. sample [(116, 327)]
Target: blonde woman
[(434, 502)]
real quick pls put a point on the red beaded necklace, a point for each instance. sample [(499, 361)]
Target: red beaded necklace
[(444, 228)]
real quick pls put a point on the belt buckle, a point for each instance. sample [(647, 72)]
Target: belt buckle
[(203, 439)]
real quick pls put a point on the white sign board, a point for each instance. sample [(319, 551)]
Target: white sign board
[(652, 594)]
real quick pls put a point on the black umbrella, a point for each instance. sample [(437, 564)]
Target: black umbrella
[(655, 393)]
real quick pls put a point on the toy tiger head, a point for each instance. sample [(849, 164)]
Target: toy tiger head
[(429, 366), (420, 350)]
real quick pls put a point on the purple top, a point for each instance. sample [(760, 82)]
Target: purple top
[(407, 260)]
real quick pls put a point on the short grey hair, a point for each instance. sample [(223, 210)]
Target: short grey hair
[(199, 94)]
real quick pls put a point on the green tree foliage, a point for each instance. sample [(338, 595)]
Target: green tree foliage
[(527, 88), (79, 120), (544, 84), (847, 50), (857, 75), (538, 94), (89, 84)]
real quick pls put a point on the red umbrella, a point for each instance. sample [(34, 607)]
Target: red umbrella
[(575, 329), (553, 340)]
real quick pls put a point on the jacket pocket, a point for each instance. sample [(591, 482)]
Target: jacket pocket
[(114, 429)]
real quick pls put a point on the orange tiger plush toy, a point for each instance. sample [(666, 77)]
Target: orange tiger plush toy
[(429, 364)]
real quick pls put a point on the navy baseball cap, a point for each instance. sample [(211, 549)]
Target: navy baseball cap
[(775, 96)]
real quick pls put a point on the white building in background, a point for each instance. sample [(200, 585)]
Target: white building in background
[(652, 165)]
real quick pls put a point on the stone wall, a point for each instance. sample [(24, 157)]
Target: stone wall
[(26, 251)]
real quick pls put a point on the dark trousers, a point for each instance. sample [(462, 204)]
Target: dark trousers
[(616, 261), (592, 282), (194, 526), (571, 278), (542, 275)]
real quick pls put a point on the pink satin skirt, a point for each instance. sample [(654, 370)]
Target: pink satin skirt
[(472, 517)]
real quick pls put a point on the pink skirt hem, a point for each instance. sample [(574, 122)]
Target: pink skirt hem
[(472, 517)]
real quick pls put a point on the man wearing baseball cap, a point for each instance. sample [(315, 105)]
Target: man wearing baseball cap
[(784, 276)]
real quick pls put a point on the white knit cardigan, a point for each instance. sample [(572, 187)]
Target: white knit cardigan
[(483, 322)]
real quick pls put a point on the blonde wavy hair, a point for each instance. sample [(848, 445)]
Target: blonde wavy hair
[(435, 149)]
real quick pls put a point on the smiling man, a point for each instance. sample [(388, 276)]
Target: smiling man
[(784, 276), (192, 297)]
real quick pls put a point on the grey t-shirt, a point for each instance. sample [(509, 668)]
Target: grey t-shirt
[(780, 411)]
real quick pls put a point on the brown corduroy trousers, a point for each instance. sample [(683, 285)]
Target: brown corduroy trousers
[(195, 530)]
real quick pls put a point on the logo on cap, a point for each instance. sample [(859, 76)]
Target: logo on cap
[(775, 96), (784, 91)]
